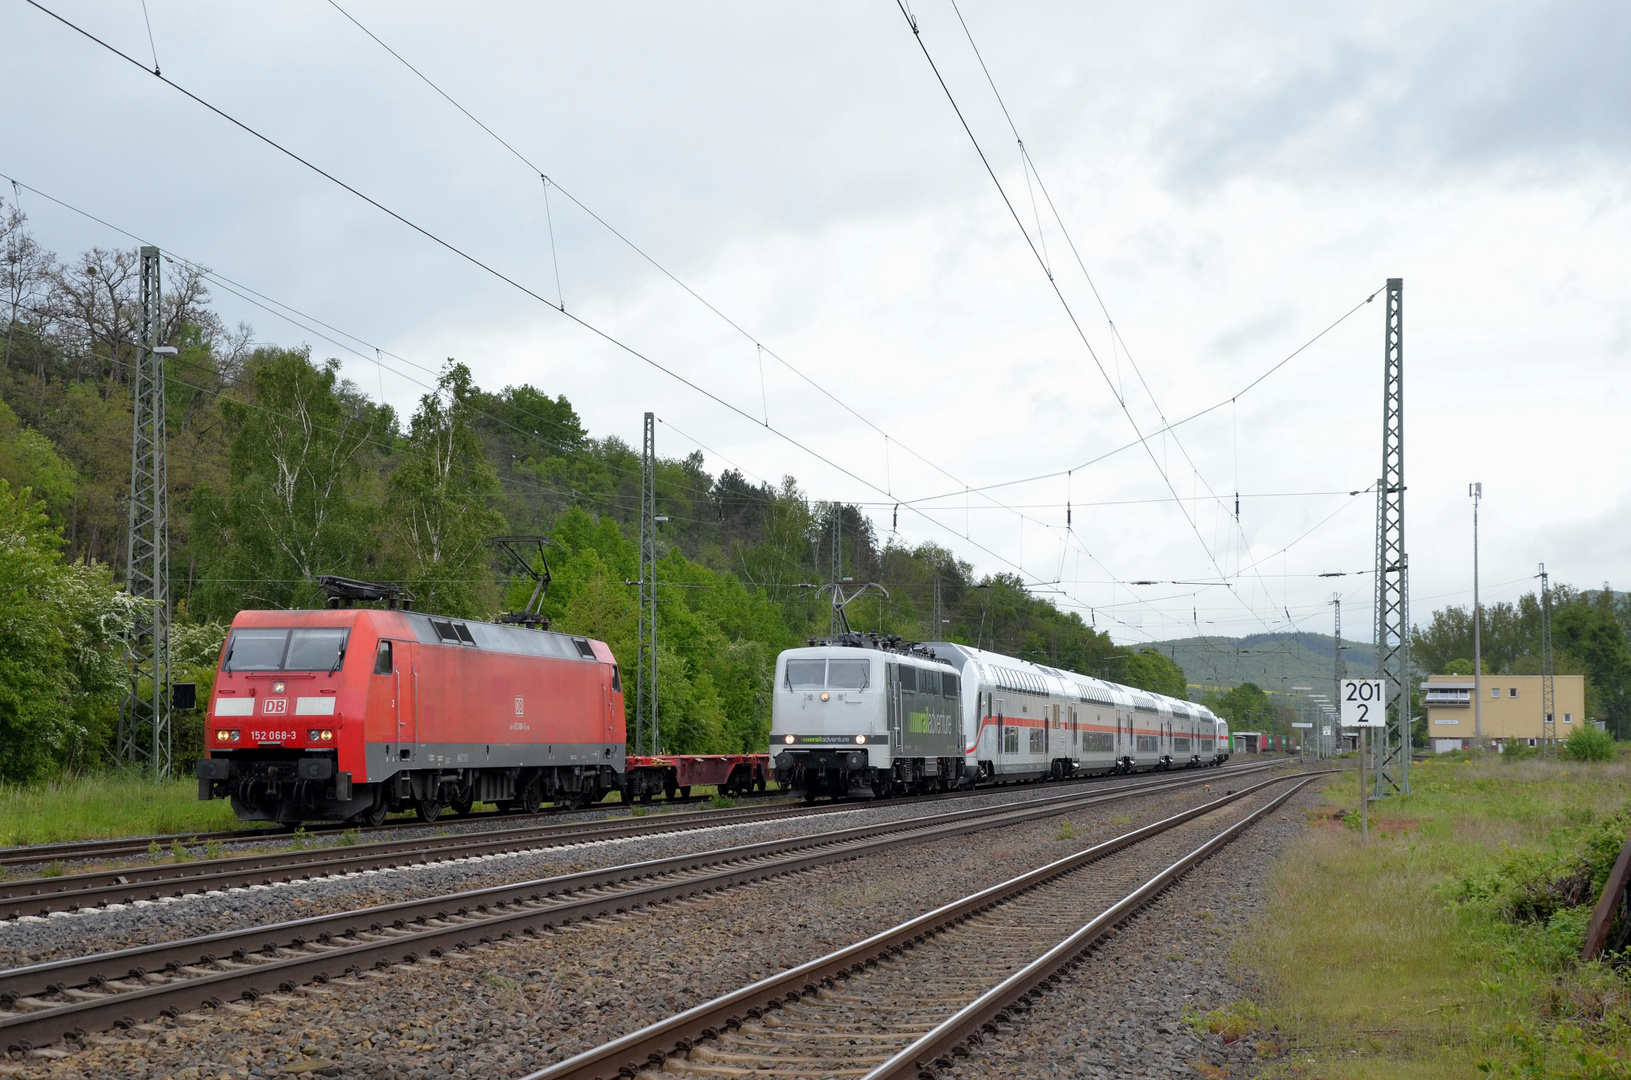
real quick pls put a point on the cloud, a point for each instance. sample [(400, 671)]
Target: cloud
[(1438, 92)]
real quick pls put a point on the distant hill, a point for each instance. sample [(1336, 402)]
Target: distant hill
[(1300, 659)]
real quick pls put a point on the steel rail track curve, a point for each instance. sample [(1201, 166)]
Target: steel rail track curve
[(124, 987), (689, 1042), (40, 896)]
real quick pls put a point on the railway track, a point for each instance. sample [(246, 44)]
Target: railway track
[(44, 1002), (40, 896), (82, 850), (903, 1002)]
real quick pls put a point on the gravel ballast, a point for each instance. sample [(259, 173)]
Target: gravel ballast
[(504, 1009), (1123, 1013), (32, 939)]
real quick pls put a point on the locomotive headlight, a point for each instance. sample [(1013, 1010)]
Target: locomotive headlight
[(860, 740), (223, 735), (236, 734), (788, 739), (823, 695), (324, 735)]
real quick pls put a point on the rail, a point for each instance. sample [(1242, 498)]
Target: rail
[(681, 1034), (130, 985)]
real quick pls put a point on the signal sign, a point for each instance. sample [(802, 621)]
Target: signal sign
[(1364, 703)]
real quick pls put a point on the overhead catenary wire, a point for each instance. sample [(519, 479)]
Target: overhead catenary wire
[(482, 265), (1070, 313), (1030, 170), (760, 348), (609, 338)]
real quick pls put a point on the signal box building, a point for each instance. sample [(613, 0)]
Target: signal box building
[(1511, 708)]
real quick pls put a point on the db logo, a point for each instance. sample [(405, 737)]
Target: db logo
[(276, 706), (518, 705)]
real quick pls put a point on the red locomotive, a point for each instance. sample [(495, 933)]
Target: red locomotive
[(353, 713)]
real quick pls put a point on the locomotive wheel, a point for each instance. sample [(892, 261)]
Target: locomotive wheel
[(428, 810), (809, 795), (530, 798), (505, 806), (374, 816), (646, 794), (462, 806)]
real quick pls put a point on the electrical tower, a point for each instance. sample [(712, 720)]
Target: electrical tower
[(144, 723), (938, 632), (1548, 700), (837, 565), (1392, 564), (645, 677), (1339, 665)]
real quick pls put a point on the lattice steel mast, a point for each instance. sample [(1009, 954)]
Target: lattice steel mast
[(144, 723), (646, 729), (837, 565), (1548, 699), (1339, 665), (1392, 564)]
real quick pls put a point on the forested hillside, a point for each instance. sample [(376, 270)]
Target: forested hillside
[(281, 471)]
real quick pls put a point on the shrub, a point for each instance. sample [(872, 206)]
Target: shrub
[(1586, 743), (1517, 750)]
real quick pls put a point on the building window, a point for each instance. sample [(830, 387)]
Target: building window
[(1494, 691), (1568, 718), (1513, 692)]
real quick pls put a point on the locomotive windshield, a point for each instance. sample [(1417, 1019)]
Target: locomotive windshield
[(314, 649), (831, 674)]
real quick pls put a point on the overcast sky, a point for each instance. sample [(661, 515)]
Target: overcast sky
[(1234, 178)]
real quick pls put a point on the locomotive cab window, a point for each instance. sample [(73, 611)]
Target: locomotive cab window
[(849, 674), (382, 659), (617, 680), (948, 685), (255, 650), (805, 674), (316, 650), (313, 649), (928, 682)]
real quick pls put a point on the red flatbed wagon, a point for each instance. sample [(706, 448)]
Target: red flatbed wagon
[(733, 774)]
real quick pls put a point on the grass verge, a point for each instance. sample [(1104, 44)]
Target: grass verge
[(1448, 945), (106, 805)]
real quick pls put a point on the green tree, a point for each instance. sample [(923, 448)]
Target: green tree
[(60, 664), (1151, 669), (441, 498), (294, 507)]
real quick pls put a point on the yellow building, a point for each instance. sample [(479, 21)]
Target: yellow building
[(1511, 708)]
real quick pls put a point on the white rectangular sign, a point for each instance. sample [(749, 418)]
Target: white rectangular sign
[(1302, 725), (1364, 703)]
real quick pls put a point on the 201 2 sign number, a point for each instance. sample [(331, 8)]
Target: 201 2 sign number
[(1364, 703)]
